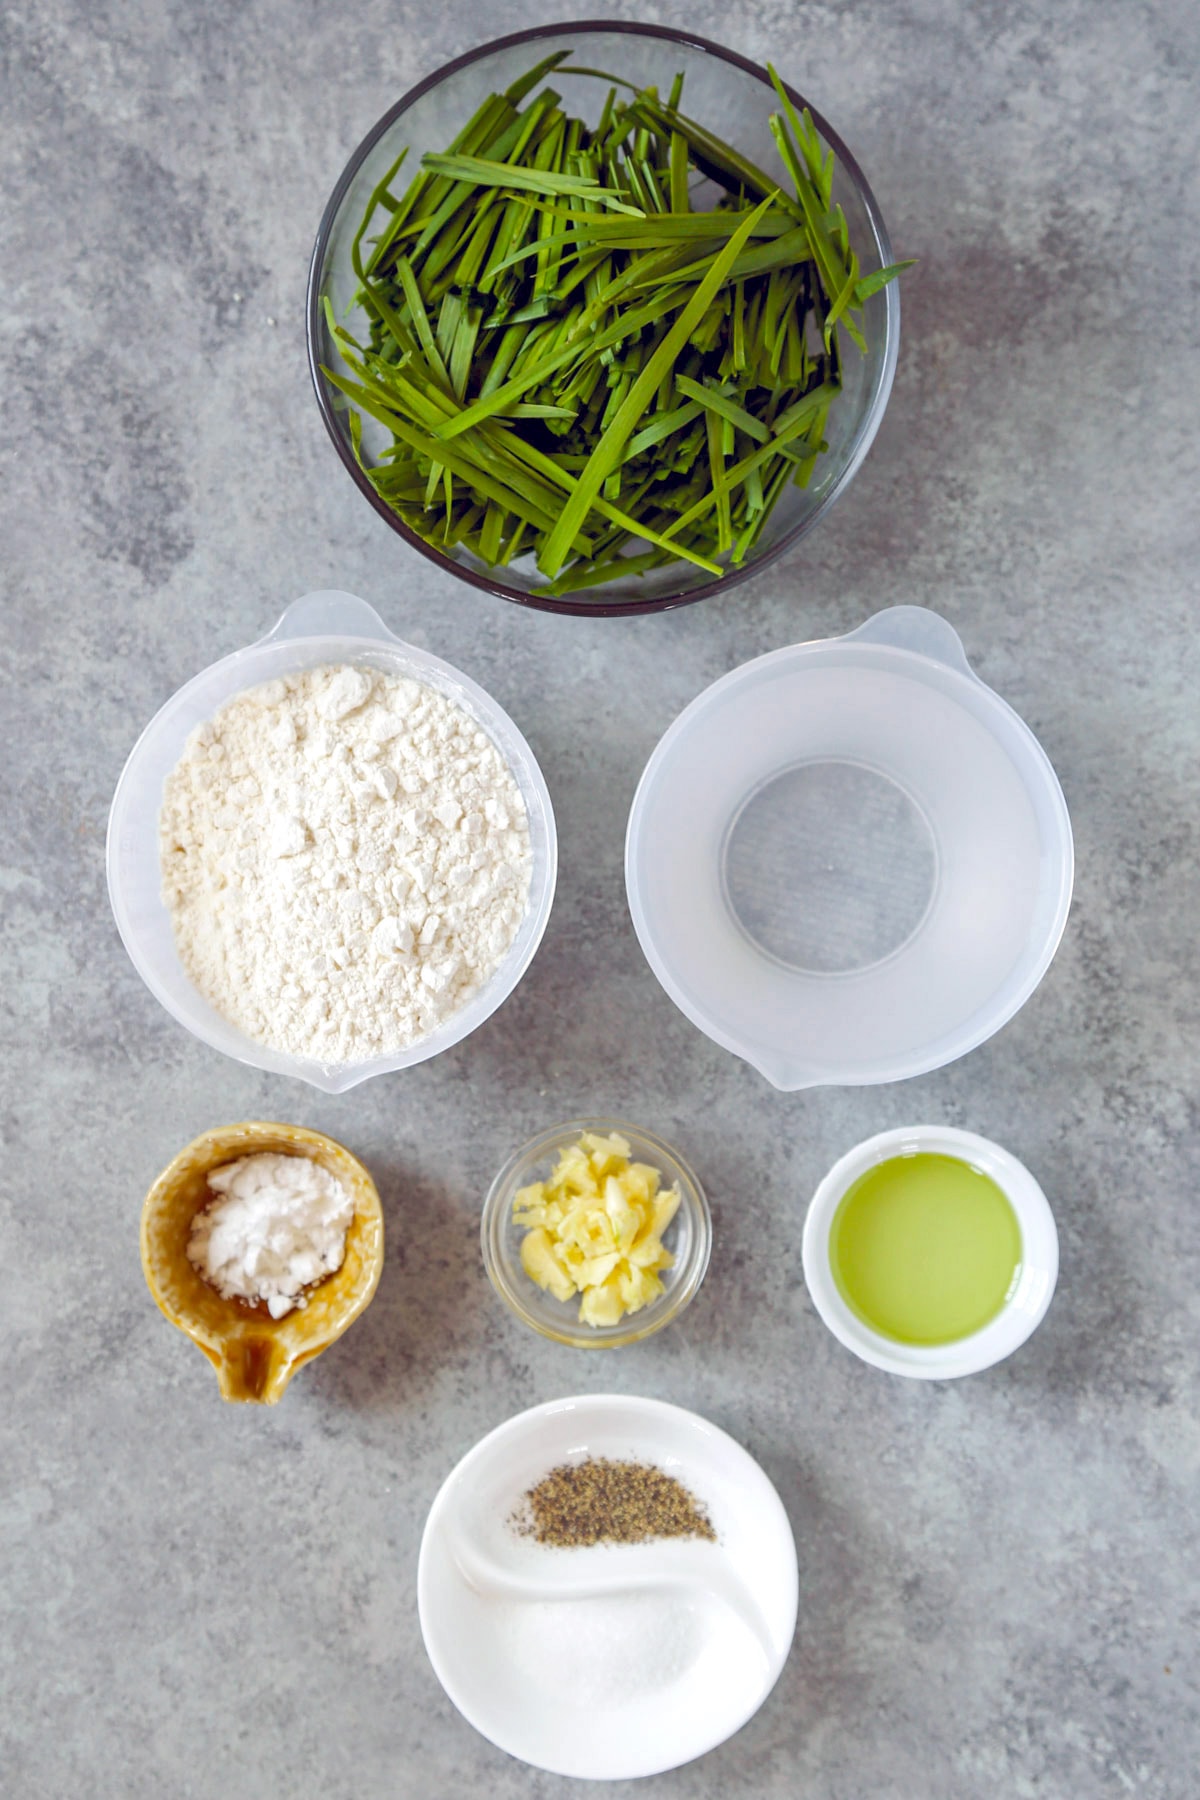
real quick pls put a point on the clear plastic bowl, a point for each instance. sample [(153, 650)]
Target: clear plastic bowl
[(732, 97), (321, 628), (850, 861), (689, 1238)]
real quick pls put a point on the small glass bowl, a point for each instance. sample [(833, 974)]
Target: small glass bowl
[(688, 1237)]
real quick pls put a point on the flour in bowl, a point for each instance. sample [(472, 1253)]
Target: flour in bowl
[(345, 859)]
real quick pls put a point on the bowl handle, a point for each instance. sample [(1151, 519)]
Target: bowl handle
[(918, 629), (786, 1073), (330, 613), (253, 1366)]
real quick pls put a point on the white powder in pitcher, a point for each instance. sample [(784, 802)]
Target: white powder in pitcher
[(345, 859), (278, 1225)]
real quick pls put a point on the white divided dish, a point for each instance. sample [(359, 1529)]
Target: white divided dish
[(610, 1661), (328, 627), (850, 861)]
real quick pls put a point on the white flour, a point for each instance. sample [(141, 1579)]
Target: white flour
[(345, 859)]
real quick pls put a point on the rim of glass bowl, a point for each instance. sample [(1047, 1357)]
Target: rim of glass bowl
[(496, 1221), (489, 583)]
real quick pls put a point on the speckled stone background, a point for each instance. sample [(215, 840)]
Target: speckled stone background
[(998, 1576)]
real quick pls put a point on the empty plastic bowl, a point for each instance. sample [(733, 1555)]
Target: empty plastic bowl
[(328, 627), (850, 861)]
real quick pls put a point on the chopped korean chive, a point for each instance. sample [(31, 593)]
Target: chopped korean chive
[(578, 365)]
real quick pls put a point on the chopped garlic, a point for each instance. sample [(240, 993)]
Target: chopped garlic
[(596, 1229)]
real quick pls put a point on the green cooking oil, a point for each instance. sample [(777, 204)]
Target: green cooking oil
[(925, 1249)]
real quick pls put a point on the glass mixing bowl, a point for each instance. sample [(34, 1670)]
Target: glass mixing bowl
[(733, 98)]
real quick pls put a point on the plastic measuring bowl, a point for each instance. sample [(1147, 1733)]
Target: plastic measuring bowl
[(849, 861), (327, 627)]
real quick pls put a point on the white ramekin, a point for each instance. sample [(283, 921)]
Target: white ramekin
[(1022, 1311)]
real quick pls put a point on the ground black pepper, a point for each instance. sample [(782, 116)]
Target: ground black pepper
[(599, 1501)]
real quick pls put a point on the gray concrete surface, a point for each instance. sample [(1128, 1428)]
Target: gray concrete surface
[(999, 1576)]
